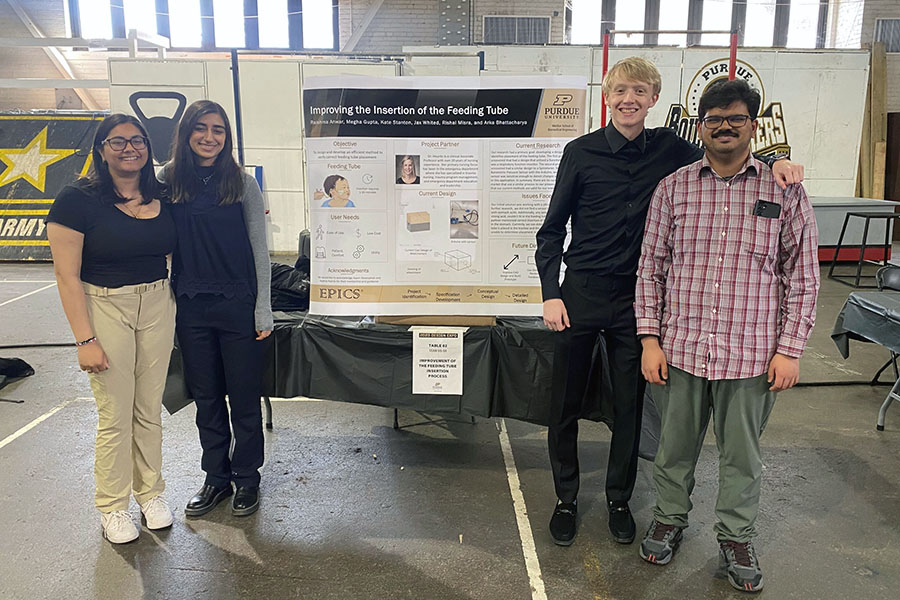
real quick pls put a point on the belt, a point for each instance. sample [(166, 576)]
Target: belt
[(96, 290)]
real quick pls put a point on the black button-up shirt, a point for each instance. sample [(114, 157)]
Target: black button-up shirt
[(604, 184)]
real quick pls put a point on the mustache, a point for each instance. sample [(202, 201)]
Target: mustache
[(725, 134)]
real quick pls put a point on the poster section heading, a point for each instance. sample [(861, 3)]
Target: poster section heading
[(442, 113), (407, 222)]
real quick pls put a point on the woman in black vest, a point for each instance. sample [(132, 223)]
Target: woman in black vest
[(221, 276)]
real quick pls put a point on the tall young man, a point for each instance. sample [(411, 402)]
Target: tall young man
[(725, 302), (604, 183)]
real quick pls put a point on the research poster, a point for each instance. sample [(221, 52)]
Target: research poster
[(426, 193)]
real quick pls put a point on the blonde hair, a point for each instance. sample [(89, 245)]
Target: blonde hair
[(633, 68)]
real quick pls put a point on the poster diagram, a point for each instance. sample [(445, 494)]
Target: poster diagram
[(426, 193)]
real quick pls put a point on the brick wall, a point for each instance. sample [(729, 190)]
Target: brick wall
[(397, 23), (401, 23)]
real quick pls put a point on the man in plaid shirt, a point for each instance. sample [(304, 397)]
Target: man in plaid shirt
[(725, 301)]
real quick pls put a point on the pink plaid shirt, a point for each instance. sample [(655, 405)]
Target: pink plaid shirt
[(724, 289)]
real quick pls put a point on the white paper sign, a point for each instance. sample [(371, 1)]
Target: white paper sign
[(438, 360)]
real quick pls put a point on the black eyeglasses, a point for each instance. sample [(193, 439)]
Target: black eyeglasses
[(733, 120), (118, 143)]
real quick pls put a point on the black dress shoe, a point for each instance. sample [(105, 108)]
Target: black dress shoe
[(246, 501), (563, 525), (206, 499), (621, 523)]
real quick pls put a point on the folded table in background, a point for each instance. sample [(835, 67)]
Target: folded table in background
[(872, 316)]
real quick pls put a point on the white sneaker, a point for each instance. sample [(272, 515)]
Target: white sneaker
[(157, 513), (118, 527)]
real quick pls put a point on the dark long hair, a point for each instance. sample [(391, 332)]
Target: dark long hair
[(99, 179), (184, 182)]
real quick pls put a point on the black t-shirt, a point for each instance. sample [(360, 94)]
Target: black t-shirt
[(118, 249)]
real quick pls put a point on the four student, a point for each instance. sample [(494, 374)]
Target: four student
[(707, 291)]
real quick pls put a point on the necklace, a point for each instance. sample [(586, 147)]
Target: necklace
[(131, 212), (206, 179)]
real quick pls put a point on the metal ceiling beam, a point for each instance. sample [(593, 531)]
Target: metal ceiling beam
[(42, 83), (94, 44), (56, 57), (350, 46)]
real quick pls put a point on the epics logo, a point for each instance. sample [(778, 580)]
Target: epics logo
[(326, 293), (771, 135)]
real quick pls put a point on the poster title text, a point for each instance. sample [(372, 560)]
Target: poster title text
[(359, 109)]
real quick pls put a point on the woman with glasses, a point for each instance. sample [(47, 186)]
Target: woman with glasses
[(110, 234), (221, 275)]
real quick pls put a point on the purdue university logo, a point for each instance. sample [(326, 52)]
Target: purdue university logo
[(771, 135)]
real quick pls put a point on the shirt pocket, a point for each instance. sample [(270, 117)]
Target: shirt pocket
[(760, 235)]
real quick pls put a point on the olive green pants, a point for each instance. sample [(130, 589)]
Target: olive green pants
[(135, 325), (740, 409)]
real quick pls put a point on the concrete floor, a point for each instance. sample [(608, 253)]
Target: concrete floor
[(354, 509)]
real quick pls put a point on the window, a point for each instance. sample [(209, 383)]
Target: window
[(96, 19), (804, 24), (229, 23), (273, 24), (888, 31), (318, 31), (844, 25), (760, 27), (312, 25), (516, 30), (716, 16), (140, 15), (673, 15), (587, 26), (184, 24), (629, 17)]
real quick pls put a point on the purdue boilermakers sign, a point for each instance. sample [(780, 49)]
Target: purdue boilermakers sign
[(771, 135), (39, 155)]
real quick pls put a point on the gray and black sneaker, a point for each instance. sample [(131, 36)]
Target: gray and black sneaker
[(660, 543), (739, 560)]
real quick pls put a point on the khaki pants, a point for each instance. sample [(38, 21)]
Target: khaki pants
[(740, 409), (135, 325)]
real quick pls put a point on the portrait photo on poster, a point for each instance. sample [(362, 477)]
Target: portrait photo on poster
[(407, 169)]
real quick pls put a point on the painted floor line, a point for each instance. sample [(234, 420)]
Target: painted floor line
[(10, 301), (297, 399), (27, 281), (22, 431), (532, 564)]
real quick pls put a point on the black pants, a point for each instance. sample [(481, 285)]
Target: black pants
[(217, 337), (596, 305)]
